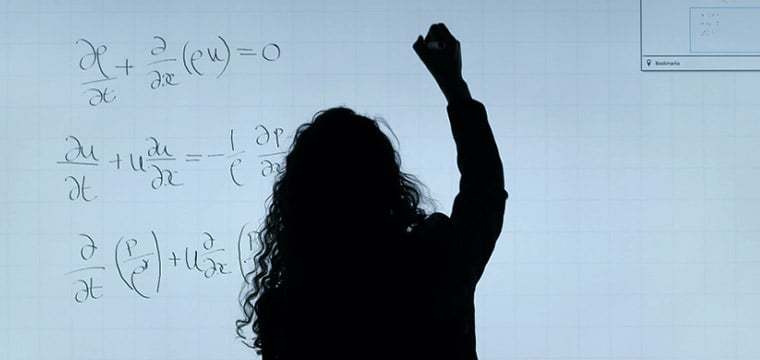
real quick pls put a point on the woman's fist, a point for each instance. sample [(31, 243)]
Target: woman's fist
[(441, 54)]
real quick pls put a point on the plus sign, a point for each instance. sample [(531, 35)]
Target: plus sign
[(117, 161), (174, 258), (126, 67)]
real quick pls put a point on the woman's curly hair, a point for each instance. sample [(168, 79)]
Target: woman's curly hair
[(341, 170)]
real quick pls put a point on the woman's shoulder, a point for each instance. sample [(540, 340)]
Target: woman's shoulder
[(432, 248), (434, 223), (430, 237)]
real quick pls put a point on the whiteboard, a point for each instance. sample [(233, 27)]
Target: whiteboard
[(152, 131)]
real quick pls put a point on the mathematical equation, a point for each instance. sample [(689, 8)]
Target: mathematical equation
[(157, 160), (141, 263), (197, 61), (708, 23)]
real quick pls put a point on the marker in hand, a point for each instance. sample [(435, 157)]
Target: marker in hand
[(441, 54), (435, 45)]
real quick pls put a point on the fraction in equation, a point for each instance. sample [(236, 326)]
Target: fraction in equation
[(197, 61), (160, 161), (141, 264)]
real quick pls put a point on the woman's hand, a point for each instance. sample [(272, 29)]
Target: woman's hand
[(441, 54)]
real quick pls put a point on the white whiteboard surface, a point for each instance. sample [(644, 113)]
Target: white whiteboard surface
[(631, 229)]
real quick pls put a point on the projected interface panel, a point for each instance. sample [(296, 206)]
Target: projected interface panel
[(690, 35)]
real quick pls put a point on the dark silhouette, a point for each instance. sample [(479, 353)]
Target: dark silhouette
[(350, 267)]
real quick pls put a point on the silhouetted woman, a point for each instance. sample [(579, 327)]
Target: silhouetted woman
[(350, 267)]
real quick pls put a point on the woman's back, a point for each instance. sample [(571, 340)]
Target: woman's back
[(409, 308)]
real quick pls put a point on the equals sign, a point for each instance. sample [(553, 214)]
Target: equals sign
[(245, 51), (193, 157)]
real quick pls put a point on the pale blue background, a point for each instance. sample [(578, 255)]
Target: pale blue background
[(631, 229)]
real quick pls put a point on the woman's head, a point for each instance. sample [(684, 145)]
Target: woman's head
[(340, 162), (342, 177), (341, 202)]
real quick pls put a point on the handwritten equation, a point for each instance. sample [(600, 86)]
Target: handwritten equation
[(141, 262), (708, 23), (724, 30), (197, 61), (162, 162)]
